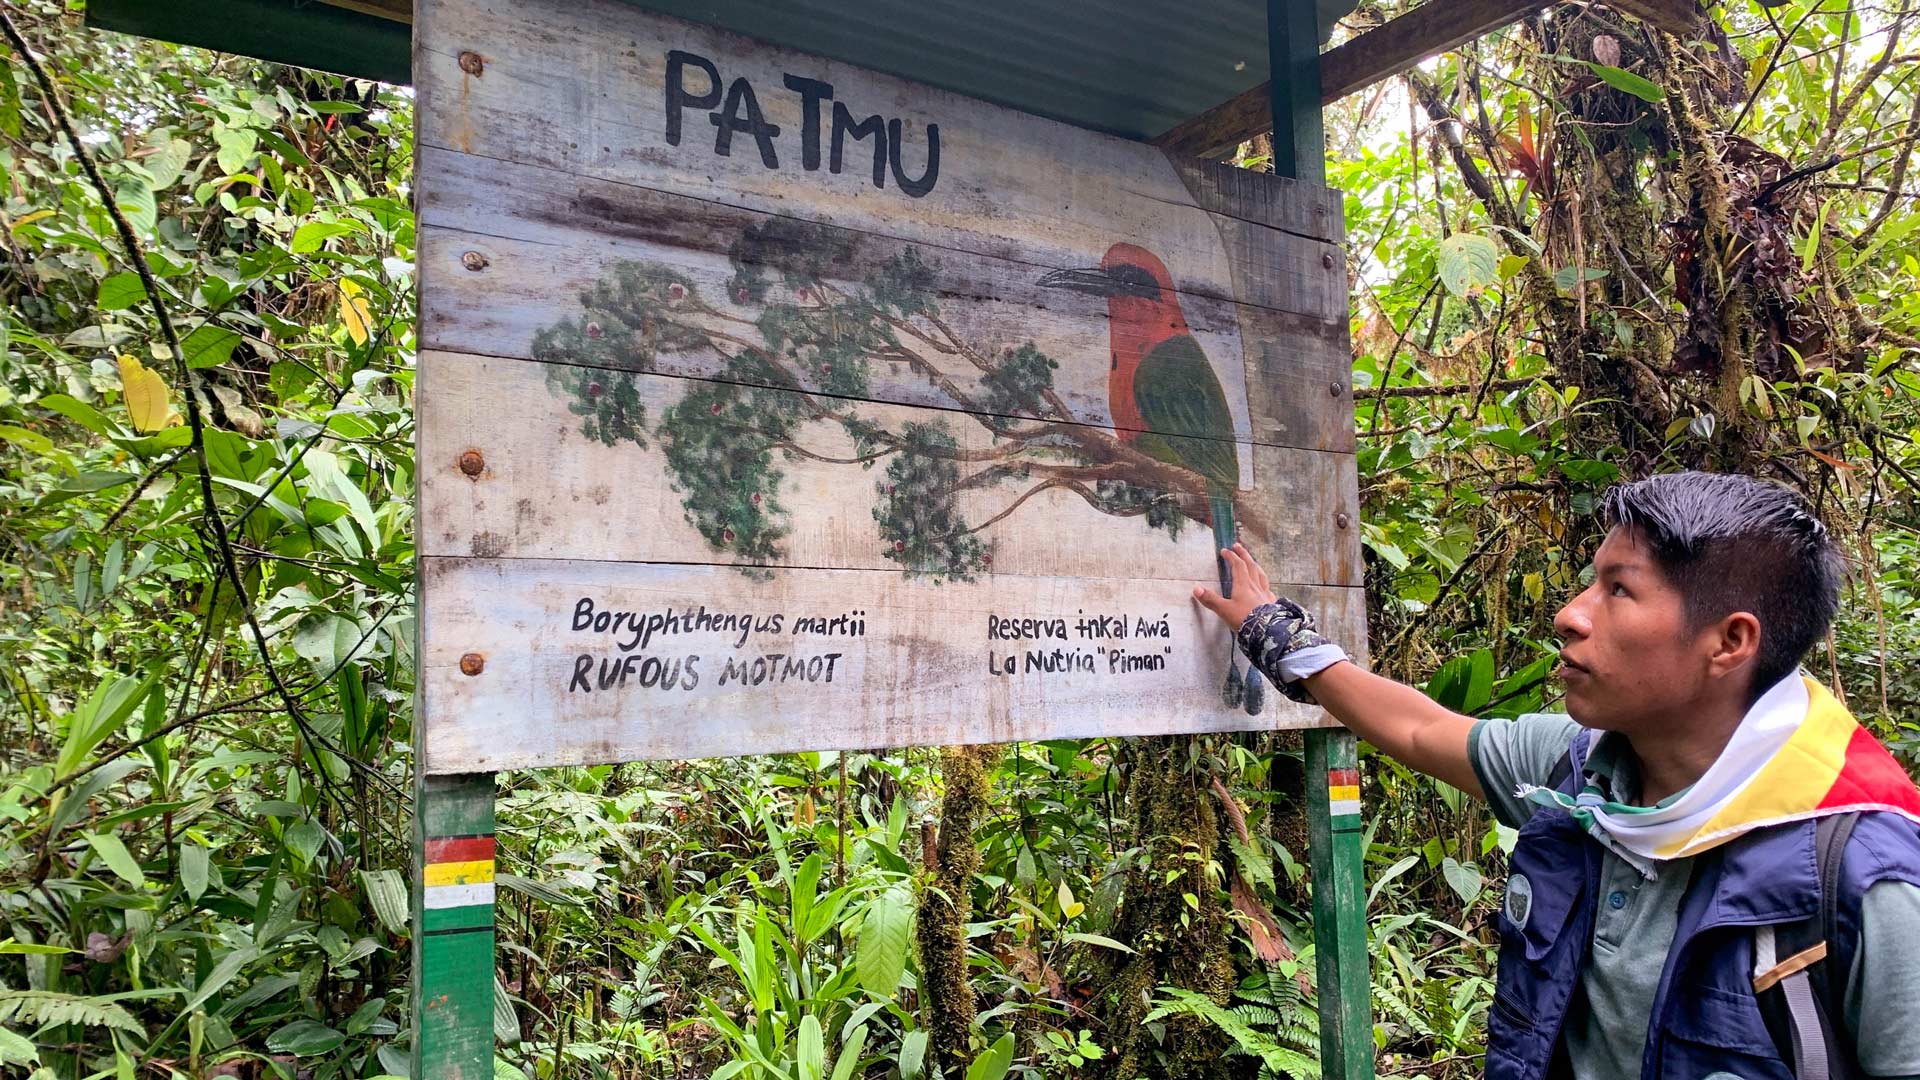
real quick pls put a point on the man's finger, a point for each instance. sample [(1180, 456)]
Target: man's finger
[(1256, 572), (1211, 600)]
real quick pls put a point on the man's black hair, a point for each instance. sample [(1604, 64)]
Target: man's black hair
[(1734, 543)]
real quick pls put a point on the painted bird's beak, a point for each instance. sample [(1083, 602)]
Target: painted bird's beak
[(1093, 280)]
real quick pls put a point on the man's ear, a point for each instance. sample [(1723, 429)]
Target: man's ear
[(1734, 642)]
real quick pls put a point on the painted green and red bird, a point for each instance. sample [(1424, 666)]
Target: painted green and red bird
[(1166, 400)]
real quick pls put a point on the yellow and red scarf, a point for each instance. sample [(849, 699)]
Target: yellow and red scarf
[(1797, 754)]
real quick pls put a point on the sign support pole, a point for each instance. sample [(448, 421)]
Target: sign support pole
[(453, 858), (1337, 855)]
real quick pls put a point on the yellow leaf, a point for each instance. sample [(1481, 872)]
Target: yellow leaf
[(355, 312), (1069, 907), (28, 219), (149, 402)]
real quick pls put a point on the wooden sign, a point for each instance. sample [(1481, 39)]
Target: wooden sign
[(767, 403)]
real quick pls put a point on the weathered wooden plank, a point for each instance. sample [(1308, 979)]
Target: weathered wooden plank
[(511, 252), (1006, 181), (571, 463), (1359, 62), (509, 681)]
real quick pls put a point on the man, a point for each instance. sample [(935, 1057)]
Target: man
[(1664, 914)]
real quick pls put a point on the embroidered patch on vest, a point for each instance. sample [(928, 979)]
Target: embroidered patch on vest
[(1519, 900)]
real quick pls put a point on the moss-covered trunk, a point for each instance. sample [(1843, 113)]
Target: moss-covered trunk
[(1170, 915), (945, 905)]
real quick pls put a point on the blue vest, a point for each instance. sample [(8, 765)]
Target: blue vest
[(1706, 1017)]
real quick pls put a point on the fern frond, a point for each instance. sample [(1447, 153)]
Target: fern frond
[(45, 1007)]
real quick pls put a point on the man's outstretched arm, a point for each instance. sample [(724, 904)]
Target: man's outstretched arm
[(1398, 719)]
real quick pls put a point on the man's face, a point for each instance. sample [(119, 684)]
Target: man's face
[(1630, 658)]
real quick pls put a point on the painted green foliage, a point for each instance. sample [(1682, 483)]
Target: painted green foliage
[(799, 350)]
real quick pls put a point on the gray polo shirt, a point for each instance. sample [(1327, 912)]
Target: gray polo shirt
[(1637, 918)]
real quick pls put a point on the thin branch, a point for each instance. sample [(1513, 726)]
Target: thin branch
[(1447, 389)]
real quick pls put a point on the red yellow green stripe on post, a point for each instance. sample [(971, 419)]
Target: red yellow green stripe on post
[(1343, 793), (456, 878)]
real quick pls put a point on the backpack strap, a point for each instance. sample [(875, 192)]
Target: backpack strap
[(1802, 998)]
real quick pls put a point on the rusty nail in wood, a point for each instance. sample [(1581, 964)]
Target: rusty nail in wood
[(474, 261), (1326, 260), (1341, 520), (471, 63), (1334, 389), (472, 664), (472, 463)]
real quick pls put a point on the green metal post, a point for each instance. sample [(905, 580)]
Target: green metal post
[(453, 927), (1293, 53), (1336, 855), (1338, 861)]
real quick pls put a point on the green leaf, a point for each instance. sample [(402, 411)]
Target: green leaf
[(994, 1063), (222, 974), (1097, 939), (209, 345), (913, 1054), (31, 440), (236, 146), (311, 236), (305, 1038), (1464, 878), (506, 1022), (1567, 277), (117, 857), (1468, 263), (849, 1057), (193, 869), (16, 1049), (886, 928), (10, 947), (120, 291), (304, 838), (812, 1049), (1628, 83), (134, 196), (387, 893), (79, 412)]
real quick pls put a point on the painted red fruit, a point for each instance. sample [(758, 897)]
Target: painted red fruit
[(594, 389), (727, 535), (676, 290), (899, 545), (594, 331), (740, 295), (756, 498), (714, 408)]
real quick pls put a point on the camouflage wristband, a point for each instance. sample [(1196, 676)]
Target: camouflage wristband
[(1271, 633)]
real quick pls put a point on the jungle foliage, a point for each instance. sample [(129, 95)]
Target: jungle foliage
[(1580, 251)]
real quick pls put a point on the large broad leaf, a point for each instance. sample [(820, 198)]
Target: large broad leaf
[(913, 1054), (1464, 878), (305, 1038), (993, 1064), (134, 196), (1628, 83), (209, 346), (506, 1022), (120, 291), (149, 402), (193, 869), (1468, 263), (222, 974), (387, 893), (309, 237), (355, 313), (884, 933)]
